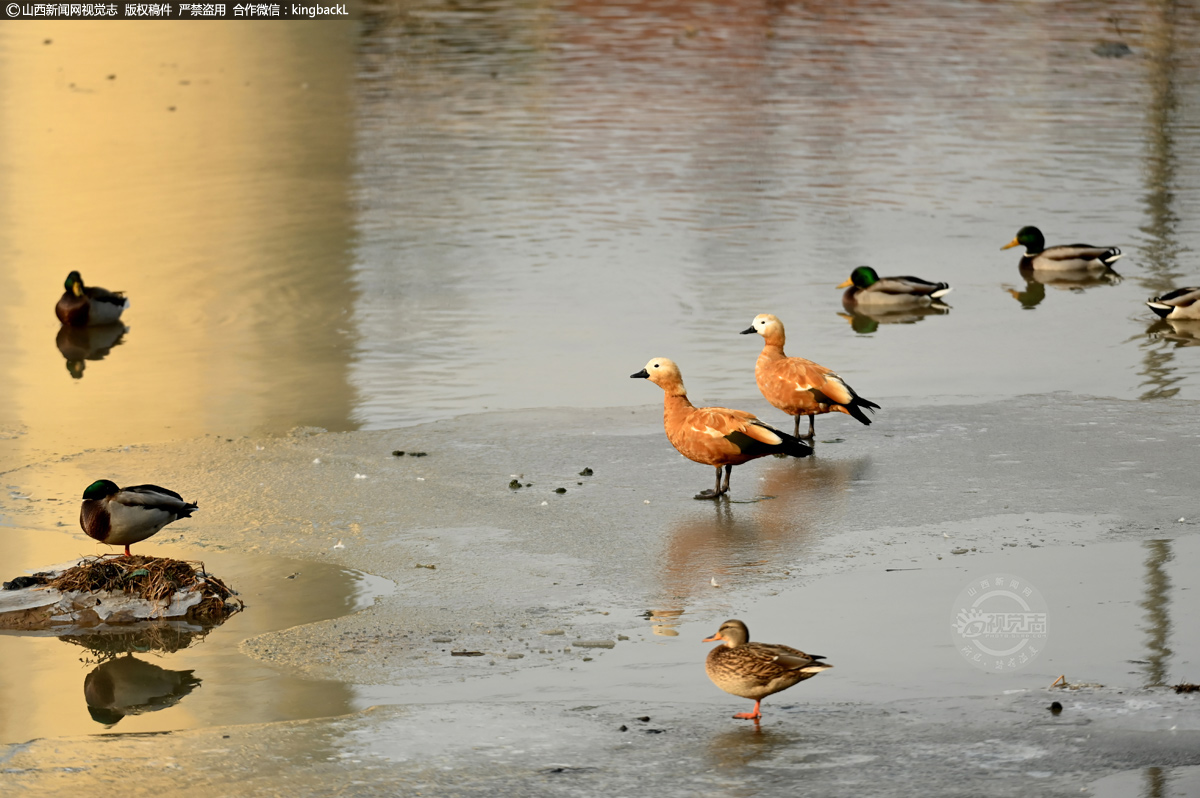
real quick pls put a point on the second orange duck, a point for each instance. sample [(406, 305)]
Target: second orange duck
[(715, 436), (801, 387)]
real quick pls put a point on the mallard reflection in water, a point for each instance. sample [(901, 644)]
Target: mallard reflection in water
[(1181, 332), (865, 321), (78, 344), (130, 686), (1077, 281)]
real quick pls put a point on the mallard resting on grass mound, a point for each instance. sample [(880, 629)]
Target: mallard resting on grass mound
[(123, 516)]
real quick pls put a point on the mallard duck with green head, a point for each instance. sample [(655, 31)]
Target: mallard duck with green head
[(88, 306), (1182, 303), (866, 289), (756, 670), (123, 516), (1069, 257)]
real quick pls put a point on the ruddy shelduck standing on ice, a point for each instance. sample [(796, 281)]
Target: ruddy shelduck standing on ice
[(800, 387), (715, 436)]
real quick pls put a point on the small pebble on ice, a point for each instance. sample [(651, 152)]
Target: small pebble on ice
[(1181, 520), (316, 461), (258, 448), (339, 544), (545, 503), (645, 501), (360, 476), (713, 582), (420, 479)]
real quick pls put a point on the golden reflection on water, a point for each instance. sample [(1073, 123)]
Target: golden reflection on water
[(203, 170), (182, 675)]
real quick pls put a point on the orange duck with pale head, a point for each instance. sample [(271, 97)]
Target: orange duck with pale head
[(715, 436), (801, 387)]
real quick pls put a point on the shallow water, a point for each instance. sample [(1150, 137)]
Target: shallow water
[(43, 690)]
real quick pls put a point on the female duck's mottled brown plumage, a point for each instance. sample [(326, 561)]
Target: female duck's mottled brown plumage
[(715, 436), (797, 386), (756, 670)]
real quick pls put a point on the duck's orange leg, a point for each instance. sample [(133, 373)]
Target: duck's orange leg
[(754, 715)]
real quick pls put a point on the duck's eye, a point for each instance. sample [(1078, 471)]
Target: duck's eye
[(655, 365)]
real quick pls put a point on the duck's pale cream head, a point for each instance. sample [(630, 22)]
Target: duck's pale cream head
[(732, 633), (664, 373), (766, 325)]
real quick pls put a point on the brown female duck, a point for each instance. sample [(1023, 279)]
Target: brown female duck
[(756, 670)]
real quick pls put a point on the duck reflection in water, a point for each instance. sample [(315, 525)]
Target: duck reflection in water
[(1181, 332), (865, 321), (121, 684), (797, 500), (1036, 281), (78, 344), (130, 686), (745, 745)]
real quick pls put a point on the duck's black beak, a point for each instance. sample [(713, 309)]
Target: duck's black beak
[(643, 375), (749, 330)]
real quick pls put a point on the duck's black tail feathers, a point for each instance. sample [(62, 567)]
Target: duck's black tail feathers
[(792, 446), (855, 409)]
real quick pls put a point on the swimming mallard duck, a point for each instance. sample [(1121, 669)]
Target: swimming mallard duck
[(1182, 303), (81, 306), (123, 516), (867, 289), (715, 436), (1061, 258), (800, 387), (756, 670)]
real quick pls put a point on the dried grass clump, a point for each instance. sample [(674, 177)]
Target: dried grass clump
[(150, 578)]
